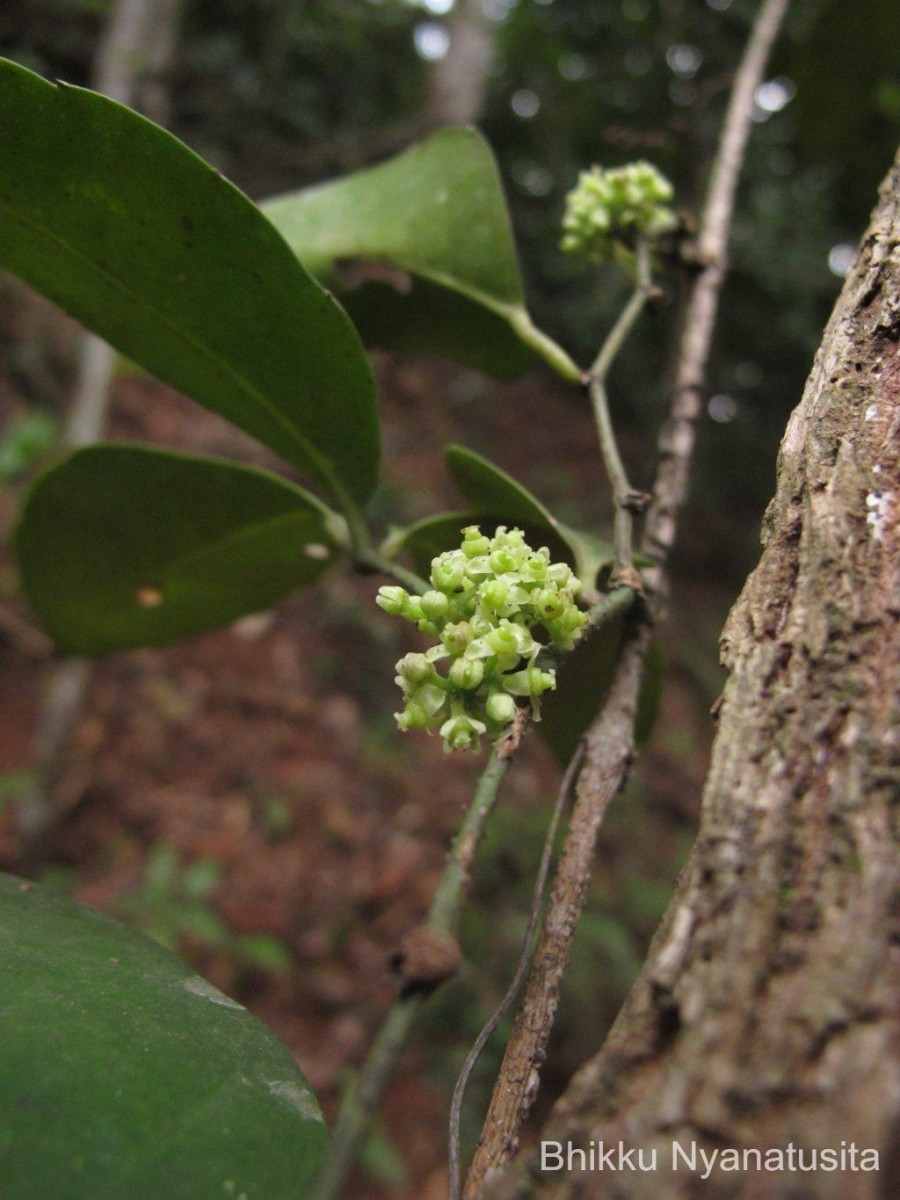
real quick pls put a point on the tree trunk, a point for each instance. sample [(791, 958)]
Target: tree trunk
[(768, 1012)]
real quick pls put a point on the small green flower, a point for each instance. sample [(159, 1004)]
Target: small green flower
[(474, 543), (435, 604), (616, 205), (462, 733), (531, 682), (487, 599), (456, 638), (500, 707), (391, 599), (466, 673), (449, 570), (414, 668)]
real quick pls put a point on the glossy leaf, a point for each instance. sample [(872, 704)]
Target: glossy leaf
[(650, 694), (426, 318), (436, 211), (129, 231), (583, 681), (433, 535), (123, 1073), (489, 489), (128, 546)]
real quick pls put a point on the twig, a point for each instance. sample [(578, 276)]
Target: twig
[(371, 560), (613, 604), (522, 966), (610, 739), (676, 440), (542, 344), (356, 1115), (628, 502), (615, 339), (605, 764)]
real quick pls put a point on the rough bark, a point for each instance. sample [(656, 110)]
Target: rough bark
[(767, 1011)]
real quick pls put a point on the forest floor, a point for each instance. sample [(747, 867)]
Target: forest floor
[(246, 797)]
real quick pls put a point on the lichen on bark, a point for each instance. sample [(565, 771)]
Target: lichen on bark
[(767, 1011)]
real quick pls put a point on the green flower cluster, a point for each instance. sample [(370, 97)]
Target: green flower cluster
[(485, 601), (616, 205)]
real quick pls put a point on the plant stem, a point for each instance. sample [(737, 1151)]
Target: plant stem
[(355, 537), (544, 346), (626, 499), (356, 1115), (614, 603), (371, 559), (524, 961), (629, 314), (360, 541), (676, 440)]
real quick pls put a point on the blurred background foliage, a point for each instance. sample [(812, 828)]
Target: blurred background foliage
[(280, 94)]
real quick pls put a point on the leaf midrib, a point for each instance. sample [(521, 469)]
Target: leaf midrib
[(244, 384), (246, 533)]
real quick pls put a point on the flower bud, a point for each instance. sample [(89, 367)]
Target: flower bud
[(500, 707), (503, 639), (412, 608), (457, 637), (466, 673), (415, 668), (494, 595), (548, 603), (560, 574), (474, 542), (392, 599), (434, 604), (412, 717), (503, 560), (537, 565), (448, 571)]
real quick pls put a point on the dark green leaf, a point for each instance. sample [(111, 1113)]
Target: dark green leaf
[(427, 318), (433, 535), (583, 681), (489, 489), (147, 245), (124, 1074), (650, 694), (436, 211), (127, 546)]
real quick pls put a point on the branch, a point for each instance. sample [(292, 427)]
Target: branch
[(528, 946), (676, 440), (628, 502), (610, 740), (606, 761), (356, 1115)]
